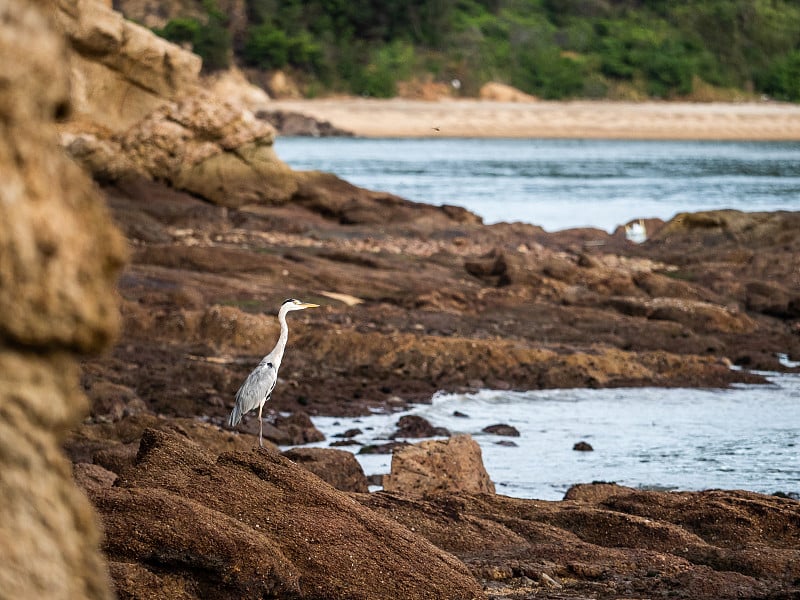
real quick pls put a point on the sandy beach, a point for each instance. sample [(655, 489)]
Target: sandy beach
[(580, 119)]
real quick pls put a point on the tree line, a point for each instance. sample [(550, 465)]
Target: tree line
[(555, 49)]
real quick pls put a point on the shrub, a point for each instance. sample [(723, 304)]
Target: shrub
[(266, 47), (782, 80), (211, 40)]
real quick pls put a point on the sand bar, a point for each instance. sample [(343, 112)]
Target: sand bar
[(580, 119)]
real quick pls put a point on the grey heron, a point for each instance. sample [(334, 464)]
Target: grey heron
[(257, 388)]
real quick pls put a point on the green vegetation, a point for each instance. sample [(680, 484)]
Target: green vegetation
[(550, 48)]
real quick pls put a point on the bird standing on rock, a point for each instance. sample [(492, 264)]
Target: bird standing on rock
[(258, 386)]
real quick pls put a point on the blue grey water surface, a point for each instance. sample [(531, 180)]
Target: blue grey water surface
[(745, 438), (560, 184)]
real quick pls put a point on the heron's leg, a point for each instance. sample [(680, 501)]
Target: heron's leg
[(261, 427)]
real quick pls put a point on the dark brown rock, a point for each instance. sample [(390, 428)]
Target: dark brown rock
[(413, 426), (699, 545), (271, 530), (337, 467), (582, 446), (387, 448), (350, 433), (293, 430), (501, 429)]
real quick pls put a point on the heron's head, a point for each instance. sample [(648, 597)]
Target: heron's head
[(294, 304)]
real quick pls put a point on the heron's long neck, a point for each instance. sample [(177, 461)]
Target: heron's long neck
[(284, 336)]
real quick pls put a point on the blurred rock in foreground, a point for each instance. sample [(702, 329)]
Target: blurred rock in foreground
[(59, 256)]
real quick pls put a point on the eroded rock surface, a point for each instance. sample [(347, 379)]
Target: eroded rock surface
[(59, 255), (452, 466), (619, 543), (272, 530)]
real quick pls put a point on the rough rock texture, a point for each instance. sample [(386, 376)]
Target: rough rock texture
[(415, 299), (620, 543), (212, 149), (120, 71), (58, 259), (413, 426), (337, 467), (255, 525), (453, 466)]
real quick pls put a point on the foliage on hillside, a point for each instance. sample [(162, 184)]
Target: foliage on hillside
[(550, 48)]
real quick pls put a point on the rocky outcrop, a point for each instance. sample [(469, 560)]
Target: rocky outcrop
[(617, 543), (212, 149), (120, 71), (272, 530), (439, 466), (140, 109), (59, 256)]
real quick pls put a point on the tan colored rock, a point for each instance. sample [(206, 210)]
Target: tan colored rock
[(208, 147), (230, 327), (700, 316), (59, 255), (453, 465), (234, 87), (121, 71), (282, 86), (500, 92)]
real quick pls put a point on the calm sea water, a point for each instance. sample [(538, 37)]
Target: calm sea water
[(563, 183), (668, 439)]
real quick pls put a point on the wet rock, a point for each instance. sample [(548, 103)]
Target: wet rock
[(350, 433), (375, 479), (582, 447), (452, 466), (114, 402), (337, 467), (296, 124), (342, 443), (506, 443), (459, 414), (92, 476), (501, 429), (413, 426), (773, 299), (294, 430), (387, 448)]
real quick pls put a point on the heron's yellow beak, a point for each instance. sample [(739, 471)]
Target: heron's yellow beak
[(309, 305)]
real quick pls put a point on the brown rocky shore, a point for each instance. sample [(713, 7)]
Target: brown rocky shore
[(414, 299)]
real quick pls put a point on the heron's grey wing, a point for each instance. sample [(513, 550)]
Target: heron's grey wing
[(255, 390)]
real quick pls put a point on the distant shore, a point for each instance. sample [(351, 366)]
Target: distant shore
[(579, 119)]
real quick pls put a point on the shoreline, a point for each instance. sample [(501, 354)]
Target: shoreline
[(471, 118)]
